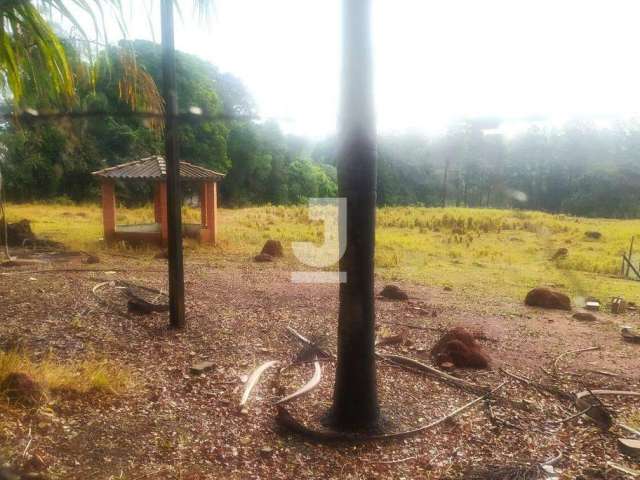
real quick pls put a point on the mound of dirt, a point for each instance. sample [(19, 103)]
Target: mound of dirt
[(273, 248), (18, 233), (593, 235), (560, 253), (394, 292), (21, 389), (91, 259), (585, 316), (263, 257), (458, 347), (546, 298)]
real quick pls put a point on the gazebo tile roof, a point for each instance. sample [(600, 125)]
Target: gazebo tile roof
[(155, 168)]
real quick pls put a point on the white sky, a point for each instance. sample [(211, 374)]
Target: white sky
[(435, 60)]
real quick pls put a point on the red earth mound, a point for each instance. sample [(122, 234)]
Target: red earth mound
[(21, 389), (273, 248), (546, 298), (458, 346)]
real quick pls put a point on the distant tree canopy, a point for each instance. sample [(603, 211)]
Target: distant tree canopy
[(577, 169), (45, 160)]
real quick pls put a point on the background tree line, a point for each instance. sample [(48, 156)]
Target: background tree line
[(578, 168), (51, 159)]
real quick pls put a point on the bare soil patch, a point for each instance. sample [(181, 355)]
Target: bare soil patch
[(176, 424)]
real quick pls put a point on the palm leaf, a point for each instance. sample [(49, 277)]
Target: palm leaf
[(30, 49)]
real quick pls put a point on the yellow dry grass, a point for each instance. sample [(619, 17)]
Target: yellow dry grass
[(486, 253), (91, 375)]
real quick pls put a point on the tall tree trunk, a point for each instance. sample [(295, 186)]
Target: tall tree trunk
[(465, 194), (447, 164), (176, 267), (355, 400)]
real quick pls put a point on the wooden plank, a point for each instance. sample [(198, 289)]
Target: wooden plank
[(630, 256)]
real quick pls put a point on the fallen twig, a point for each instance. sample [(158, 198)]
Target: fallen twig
[(307, 387), (547, 372), (628, 393), (541, 386), (90, 270), (410, 362), (605, 373), (575, 415), (517, 377), (309, 343), (135, 302), (595, 409), (497, 420), (287, 421), (253, 380), (553, 460), (26, 449), (620, 468), (458, 410), (391, 462), (518, 471), (629, 429), (589, 349), (414, 327)]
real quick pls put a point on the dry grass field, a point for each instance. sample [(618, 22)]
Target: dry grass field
[(477, 251)]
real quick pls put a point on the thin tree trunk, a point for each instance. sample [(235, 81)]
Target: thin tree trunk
[(355, 401), (444, 181), (465, 198)]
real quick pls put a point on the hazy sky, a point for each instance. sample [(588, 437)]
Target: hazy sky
[(435, 60)]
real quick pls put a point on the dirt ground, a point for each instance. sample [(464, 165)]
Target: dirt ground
[(174, 424)]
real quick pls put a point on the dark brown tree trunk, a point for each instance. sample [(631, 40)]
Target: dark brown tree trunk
[(174, 214), (355, 401)]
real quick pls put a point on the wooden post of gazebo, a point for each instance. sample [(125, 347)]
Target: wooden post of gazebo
[(208, 212), (163, 216), (212, 212), (108, 209)]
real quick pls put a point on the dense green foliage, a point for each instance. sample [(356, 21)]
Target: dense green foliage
[(45, 160), (579, 168)]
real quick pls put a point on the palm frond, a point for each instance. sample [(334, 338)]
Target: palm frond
[(32, 54), (27, 41)]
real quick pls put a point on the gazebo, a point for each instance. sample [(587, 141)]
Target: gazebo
[(154, 169)]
